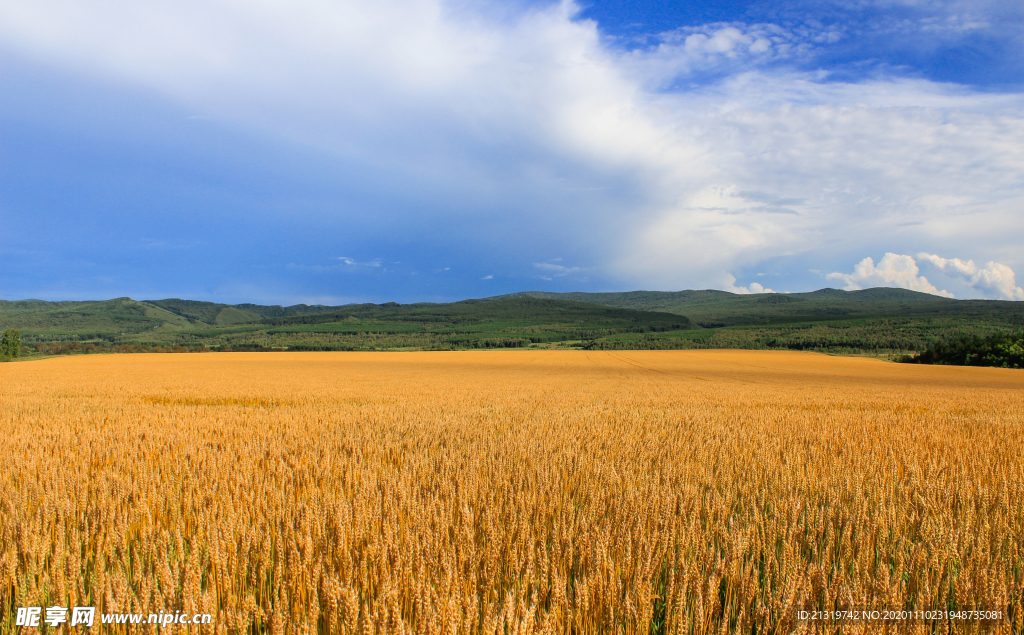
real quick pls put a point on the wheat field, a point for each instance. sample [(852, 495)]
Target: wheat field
[(512, 492)]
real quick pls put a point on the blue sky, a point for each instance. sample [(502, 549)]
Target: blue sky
[(424, 150)]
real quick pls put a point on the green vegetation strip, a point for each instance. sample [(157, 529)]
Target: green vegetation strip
[(894, 323)]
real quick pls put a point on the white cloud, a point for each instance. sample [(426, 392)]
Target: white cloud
[(993, 279), (355, 263), (753, 287), (756, 287), (487, 278), (718, 46), (893, 270), (476, 110), (798, 165), (552, 270)]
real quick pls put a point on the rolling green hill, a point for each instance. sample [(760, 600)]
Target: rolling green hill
[(713, 309), (889, 322), (213, 313), (129, 325), (124, 317), (86, 320), (881, 321)]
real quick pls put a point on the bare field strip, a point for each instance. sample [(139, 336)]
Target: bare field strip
[(512, 492)]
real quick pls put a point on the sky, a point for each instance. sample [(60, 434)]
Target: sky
[(337, 151)]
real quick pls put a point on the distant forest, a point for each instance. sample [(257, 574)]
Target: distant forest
[(890, 323), (1004, 350)]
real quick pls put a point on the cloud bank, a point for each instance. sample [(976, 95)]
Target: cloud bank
[(994, 280), (893, 270), (520, 132)]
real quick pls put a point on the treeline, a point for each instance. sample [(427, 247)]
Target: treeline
[(885, 337), (368, 341), (1004, 350), (87, 348), (495, 312), (962, 341)]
